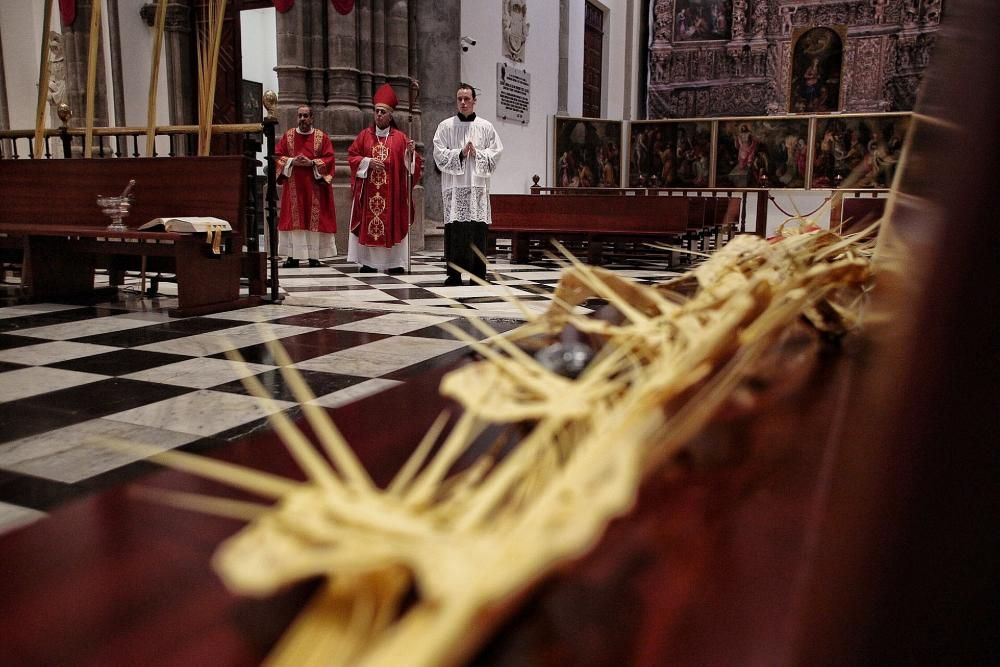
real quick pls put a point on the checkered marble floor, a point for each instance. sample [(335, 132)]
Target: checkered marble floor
[(70, 373), (339, 284)]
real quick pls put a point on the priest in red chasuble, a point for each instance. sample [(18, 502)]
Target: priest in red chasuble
[(307, 219), (384, 167)]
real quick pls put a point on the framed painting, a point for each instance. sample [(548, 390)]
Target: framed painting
[(817, 59), (588, 153), (251, 101), (770, 152), (703, 20), (858, 151), (666, 153)]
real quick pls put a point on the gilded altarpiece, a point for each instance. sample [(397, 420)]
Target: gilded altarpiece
[(886, 48)]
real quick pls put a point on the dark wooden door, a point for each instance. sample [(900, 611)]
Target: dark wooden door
[(593, 60)]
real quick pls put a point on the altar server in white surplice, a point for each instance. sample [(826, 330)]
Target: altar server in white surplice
[(466, 150)]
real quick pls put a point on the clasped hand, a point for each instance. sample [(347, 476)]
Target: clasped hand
[(302, 161)]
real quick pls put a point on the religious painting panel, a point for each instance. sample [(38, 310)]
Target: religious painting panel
[(817, 60), (251, 101), (770, 152), (702, 20), (665, 153), (858, 151), (588, 153)]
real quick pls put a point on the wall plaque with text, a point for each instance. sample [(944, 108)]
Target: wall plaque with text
[(513, 93)]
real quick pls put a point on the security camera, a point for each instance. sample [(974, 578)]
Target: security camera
[(466, 42)]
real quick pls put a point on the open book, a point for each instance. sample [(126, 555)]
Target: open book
[(189, 224)]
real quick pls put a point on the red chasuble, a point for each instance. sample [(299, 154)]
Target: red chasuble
[(307, 201), (379, 216)]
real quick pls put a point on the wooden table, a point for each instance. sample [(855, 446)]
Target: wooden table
[(50, 213)]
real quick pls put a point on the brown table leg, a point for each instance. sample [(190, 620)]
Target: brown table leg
[(595, 248), (53, 270), (518, 248), (207, 283)]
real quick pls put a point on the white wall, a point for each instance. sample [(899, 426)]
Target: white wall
[(615, 77), (574, 100), (137, 59), (21, 25), (528, 148), (259, 38), (258, 33)]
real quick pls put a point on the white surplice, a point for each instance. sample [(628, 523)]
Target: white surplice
[(466, 187)]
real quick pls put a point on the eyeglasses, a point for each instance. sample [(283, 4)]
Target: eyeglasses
[(380, 112)]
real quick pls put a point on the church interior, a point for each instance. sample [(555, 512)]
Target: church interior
[(715, 401)]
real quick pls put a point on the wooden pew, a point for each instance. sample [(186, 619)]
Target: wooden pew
[(50, 207), (593, 219), (854, 212)]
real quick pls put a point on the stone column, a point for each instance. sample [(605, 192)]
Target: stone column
[(182, 81), (345, 115), (115, 46), (117, 79), (76, 44), (397, 46), (335, 64), (293, 53), (414, 125), (365, 48), (629, 58), (563, 108), (378, 45), (6, 149), (343, 76), (439, 73), (315, 56)]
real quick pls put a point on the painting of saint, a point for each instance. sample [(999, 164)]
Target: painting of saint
[(858, 151), (702, 20), (588, 153), (665, 154), (762, 153), (251, 101), (817, 57)]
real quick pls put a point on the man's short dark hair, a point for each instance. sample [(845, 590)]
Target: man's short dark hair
[(466, 86)]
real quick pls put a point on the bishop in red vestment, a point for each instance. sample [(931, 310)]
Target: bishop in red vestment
[(307, 220), (384, 167)]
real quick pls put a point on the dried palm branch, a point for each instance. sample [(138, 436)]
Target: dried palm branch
[(608, 400)]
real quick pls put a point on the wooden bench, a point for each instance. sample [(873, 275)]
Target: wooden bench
[(49, 208), (721, 214), (596, 219), (855, 211)]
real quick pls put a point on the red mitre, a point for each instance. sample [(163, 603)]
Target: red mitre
[(386, 97)]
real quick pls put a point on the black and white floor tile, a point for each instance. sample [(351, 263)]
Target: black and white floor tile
[(339, 284), (70, 373)]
